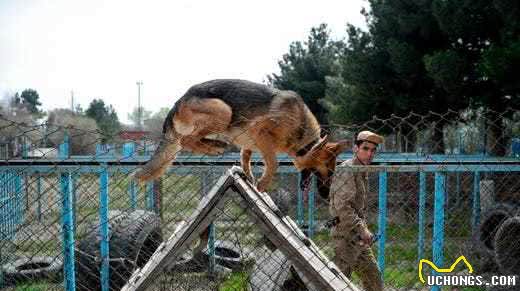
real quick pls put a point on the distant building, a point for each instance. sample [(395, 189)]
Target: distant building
[(134, 135), (140, 138)]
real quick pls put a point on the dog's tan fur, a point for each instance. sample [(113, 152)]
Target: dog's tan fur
[(283, 124)]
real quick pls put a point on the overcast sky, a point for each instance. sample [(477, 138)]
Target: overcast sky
[(99, 49)]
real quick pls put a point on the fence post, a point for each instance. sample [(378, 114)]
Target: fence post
[(422, 208), (157, 193), (132, 190), (74, 180), (476, 202), (211, 248), (382, 221), (63, 152), (299, 203), (128, 151), (103, 220), (25, 149), (312, 207), (211, 236), (68, 232), (39, 190), (150, 200), (438, 221), (4, 223), (18, 194)]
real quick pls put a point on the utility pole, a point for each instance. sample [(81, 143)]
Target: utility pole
[(139, 83), (72, 101)]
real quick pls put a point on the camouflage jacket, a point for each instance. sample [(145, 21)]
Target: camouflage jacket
[(348, 197)]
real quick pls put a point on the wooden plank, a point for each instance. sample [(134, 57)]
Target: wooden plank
[(179, 241), (318, 272)]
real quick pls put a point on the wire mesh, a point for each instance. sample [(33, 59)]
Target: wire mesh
[(474, 151)]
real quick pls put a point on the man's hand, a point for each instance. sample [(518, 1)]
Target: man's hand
[(366, 237)]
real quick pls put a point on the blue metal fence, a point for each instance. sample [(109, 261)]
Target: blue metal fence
[(12, 207)]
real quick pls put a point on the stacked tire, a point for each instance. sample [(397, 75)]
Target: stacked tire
[(134, 237), (507, 246), (31, 269), (491, 224)]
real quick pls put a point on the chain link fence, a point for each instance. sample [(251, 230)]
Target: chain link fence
[(71, 216)]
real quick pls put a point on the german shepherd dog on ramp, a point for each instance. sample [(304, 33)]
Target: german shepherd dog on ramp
[(253, 117)]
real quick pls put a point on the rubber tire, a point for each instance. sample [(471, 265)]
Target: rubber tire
[(491, 221), (507, 246), (29, 269), (226, 254), (87, 268), (186, 264), (134, 237), (293, 282)]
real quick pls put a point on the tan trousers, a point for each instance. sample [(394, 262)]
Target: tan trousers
[(352, 257)]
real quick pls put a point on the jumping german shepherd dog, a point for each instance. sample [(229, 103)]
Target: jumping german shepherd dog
[(252, 116)]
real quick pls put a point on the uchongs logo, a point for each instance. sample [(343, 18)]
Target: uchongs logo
[(442, 270)]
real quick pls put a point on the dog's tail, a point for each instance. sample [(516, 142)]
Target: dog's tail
[(161, 159)]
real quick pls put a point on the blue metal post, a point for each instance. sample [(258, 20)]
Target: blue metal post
[(3, 210), (211, 248), (299, 202), (103, 219), (382, 221), (68, 232), (25, 150), (73, 185), (438, 221), (18, 192), (63, 152), (312, 207), (99, 149), (422, 207), (446, 195), (150, 197), (132, 190), (211, 238), (39, 190), (128, 150), (457, 177), (476, 202)]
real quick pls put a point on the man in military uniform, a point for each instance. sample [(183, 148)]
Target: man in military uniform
[(351, 236)]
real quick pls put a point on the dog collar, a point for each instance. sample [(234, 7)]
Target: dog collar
[(303, 151)]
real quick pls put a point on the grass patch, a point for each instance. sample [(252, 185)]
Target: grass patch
[(33, 287), (236, 282)]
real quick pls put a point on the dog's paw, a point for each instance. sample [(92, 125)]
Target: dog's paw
[(140, 175), (262, 185), (249, 177)]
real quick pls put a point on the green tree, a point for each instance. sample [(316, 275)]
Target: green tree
[(82, 130), (305, 67), (30, 99), (430, 55), (137, 119), (383, 72), (485, 54), (154, 124), (106, 119)]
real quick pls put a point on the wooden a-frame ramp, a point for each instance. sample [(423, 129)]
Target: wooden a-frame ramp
[(318, 273)]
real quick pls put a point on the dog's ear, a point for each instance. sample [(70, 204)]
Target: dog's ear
[(320, 144)]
